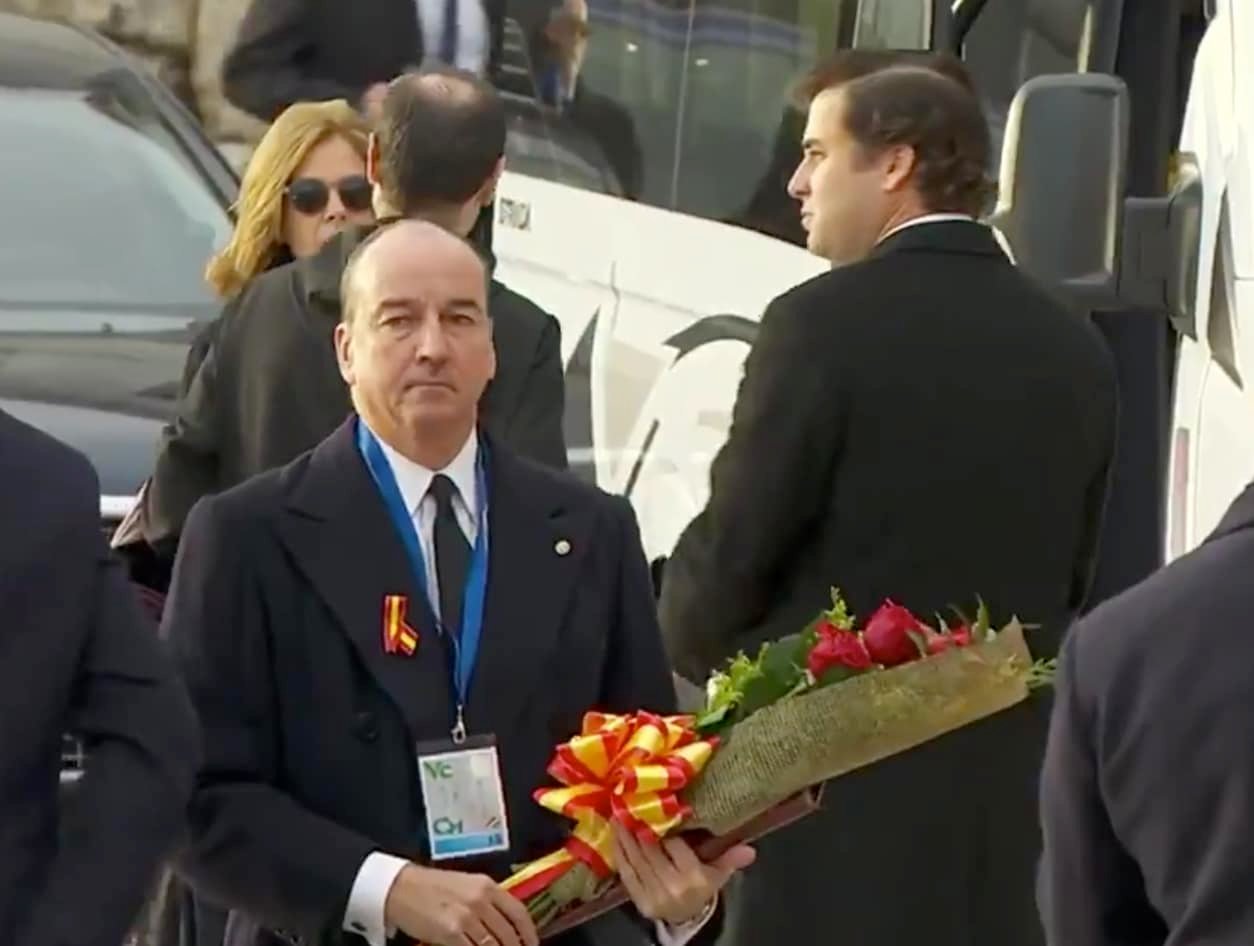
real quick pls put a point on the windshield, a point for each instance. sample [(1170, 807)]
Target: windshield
[(99, 211)]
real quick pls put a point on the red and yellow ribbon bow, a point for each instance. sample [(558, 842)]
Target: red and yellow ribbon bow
[(625, 769)]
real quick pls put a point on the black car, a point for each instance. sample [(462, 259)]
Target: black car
[(113, 201)]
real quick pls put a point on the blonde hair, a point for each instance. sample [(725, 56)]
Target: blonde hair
[(258, 233)]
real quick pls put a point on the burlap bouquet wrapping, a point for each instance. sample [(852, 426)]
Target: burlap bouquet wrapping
[(826, 733), (810, 738)]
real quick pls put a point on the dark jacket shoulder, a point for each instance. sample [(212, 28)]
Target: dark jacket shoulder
[(1164, 633), (36, 467), (517, 309)]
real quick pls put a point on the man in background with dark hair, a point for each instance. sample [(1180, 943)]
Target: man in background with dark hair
[(270, 389), (940, 428), (769, 210)]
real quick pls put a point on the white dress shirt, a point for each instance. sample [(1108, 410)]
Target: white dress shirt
[(946, 218), (365, 914), (472, 33), (927, 218)]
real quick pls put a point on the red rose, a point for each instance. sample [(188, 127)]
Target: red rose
[(887, 635), (837, 648), (955, 637)]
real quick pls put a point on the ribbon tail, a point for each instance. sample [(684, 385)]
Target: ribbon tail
[(535, 877)]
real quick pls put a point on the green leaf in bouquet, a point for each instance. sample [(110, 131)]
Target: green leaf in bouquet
[(1041, 674), (726, 687), (839, 613), (983, 629), (713, 720), (919, 641), (781, 664), (961, 615), (836, 673)]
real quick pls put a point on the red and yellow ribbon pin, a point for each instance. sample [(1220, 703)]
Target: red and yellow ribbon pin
[(625, 769), (398, 636)]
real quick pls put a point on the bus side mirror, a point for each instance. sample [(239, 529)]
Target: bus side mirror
[(1062, 207), (1062, 181), (1161, 236)]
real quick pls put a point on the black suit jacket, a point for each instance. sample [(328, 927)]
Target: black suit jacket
[(276, 610), (1146, 796), (269, 388), (927, 426), (290, 51), (78, 655)]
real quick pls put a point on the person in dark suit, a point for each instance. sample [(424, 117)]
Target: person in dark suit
[(78, 656), (1146, 787), (290, 51), (557, 48), (309, 816), (921, 423), (269, 388)]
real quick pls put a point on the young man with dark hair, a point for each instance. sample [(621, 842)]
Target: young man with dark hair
[(768, 209), (942, 428), (269, 389)]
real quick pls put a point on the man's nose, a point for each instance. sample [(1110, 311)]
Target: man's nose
[(799, 183), (432, 342)]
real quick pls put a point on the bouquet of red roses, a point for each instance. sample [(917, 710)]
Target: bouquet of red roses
[(809, 708)]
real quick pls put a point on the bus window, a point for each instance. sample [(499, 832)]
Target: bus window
[(1015, 40), (893, 24), (606, 76), (744, 57)]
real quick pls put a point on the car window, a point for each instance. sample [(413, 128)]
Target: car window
[(100, 212)]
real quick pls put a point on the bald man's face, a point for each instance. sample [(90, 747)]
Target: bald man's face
[(417, 349)]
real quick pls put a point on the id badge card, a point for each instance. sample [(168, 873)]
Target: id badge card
[(463, 798)]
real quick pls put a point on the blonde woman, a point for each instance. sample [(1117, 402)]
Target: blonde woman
[(305, 182)]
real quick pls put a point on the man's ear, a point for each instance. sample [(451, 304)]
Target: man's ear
[(344, 352), (899, 166), (487, 193)]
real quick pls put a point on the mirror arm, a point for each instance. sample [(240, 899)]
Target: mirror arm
[(1159, 249), (965, 13)]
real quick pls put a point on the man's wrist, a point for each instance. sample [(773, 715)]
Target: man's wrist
[(366, 913), (678, 934)]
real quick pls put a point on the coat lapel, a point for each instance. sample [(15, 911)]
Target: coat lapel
[(1240, 515), (337, 530), (537, 541)]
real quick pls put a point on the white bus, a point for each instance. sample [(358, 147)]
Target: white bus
[(650, 214), (1212, 456)]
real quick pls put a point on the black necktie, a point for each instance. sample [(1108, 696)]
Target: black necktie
[(452, 554), (448, 35)]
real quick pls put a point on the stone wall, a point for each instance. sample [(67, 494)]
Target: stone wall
[(183, 41)]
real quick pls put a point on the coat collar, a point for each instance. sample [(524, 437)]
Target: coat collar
[(1240, 516), (320, 274), (337, 530), (967, 237)]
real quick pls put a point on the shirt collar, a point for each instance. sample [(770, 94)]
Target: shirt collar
[(927, 218), (413, 480)]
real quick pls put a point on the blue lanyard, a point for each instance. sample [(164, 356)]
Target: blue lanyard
[(466, 643)]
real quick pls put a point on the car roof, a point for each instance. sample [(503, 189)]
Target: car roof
[(49, 54)]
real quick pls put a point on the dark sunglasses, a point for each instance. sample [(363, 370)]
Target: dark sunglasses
[(310, 195)]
